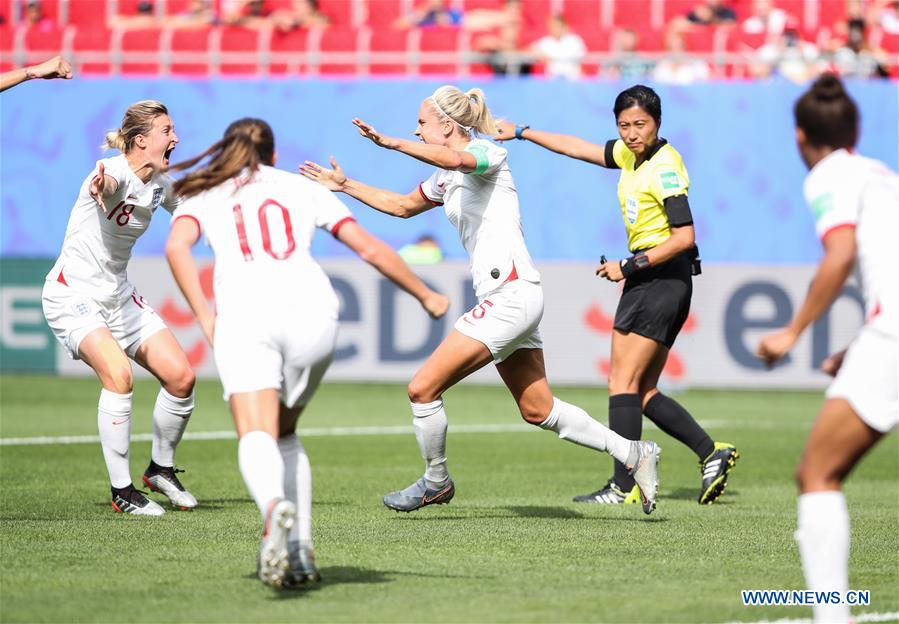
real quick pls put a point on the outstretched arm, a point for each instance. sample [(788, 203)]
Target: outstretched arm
[(102, 186), (378, 254), (388, 202), (835, 267), (436, 155), (184, 234), (57, 67), (564, 144)]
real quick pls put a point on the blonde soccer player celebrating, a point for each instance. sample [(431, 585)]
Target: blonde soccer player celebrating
[(275, 325), (474, 185), (855, 202), (100, 318)]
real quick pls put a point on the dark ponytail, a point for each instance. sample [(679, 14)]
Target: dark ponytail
[(827, 115), (247, 144)]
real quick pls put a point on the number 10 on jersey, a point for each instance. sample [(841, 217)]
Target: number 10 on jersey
[(262, 214)]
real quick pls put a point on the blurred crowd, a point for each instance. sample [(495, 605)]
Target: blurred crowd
[(768, 35)]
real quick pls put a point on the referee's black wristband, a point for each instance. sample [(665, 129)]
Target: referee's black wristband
[(637, 262), (519, 130)]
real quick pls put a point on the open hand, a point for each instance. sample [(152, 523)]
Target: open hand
[(369, 132), (97, 186), (333, 179)]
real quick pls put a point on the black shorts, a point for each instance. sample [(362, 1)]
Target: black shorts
[(656, 301)]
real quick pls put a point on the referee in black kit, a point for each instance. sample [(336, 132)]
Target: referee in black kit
[(652, 192)]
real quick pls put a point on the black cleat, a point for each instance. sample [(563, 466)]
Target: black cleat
[(715, 469), (131, 501)]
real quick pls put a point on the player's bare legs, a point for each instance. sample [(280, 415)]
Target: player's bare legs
[(298, 490), (524, 373), (102, 353), (256, 418), (838, 440), (163, 357)]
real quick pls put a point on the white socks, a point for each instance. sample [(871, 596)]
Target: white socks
[(823, 536), (575, 425), (170, 416), (430, 431), (114, 422), (262, 468), (297, 485)]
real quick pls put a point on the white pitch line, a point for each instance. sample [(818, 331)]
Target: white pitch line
[(861, 617), (306, 432)]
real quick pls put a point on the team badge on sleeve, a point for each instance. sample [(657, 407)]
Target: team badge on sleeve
[(822, 204), (669, 180)]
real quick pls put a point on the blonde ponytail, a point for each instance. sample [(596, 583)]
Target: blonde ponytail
[(467, 110), (138, 119)]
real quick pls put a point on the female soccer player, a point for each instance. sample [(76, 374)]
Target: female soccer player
[(652, 191), (474, 185), (100, 318), (855, 202), (276, 317)]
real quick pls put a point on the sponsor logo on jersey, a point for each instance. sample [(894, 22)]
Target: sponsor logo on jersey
[(670, 180)]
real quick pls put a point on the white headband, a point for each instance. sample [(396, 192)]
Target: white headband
[(440, 110)]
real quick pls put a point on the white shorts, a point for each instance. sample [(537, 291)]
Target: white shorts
[(73, 315), (506, 319), (867, 380), (289, 355)]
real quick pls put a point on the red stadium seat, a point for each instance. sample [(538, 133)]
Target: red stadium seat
[(87, 14), (339, 12), (582, 14), (144, 43), (7, 48), (8, 13), (700, 39), (493, 5), (388, 42), (239, 50), (829, 13), (383, 13), (344, 41), (442, 41), (92, 50), (889, 42), (127, 7), (289, 52), (678, 8), (41, 43), (634, 14), (597, 40), (739, 41), (536, 12), (190, 51)]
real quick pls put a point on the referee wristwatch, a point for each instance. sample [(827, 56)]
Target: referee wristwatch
[(637, 262), (519, 130)]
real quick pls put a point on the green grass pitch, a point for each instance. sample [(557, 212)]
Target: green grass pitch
[(511, 547)]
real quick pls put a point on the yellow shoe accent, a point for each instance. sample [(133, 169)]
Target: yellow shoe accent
[(633, 497)]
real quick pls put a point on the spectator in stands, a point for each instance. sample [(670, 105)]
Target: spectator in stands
[(886, 15), (502, 42), (765, 19), (561, 50), (628, 64), (302, 14), (787, 55), (425, 250), (57, 67), (856, 58), (35, 19), (198, 14), (246, 13), (679, 67), (145, 17), (431, 13), (711, 12)]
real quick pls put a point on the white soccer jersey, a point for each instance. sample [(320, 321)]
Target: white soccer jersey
[(97, 246), (845, 189), (483, 206), (260, 227)]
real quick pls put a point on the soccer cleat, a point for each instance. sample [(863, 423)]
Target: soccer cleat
[(419, 494), (131, 501), (610, 494), (301, 570), (165, 481), (715, 469), (273, 555), (646, 473)]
